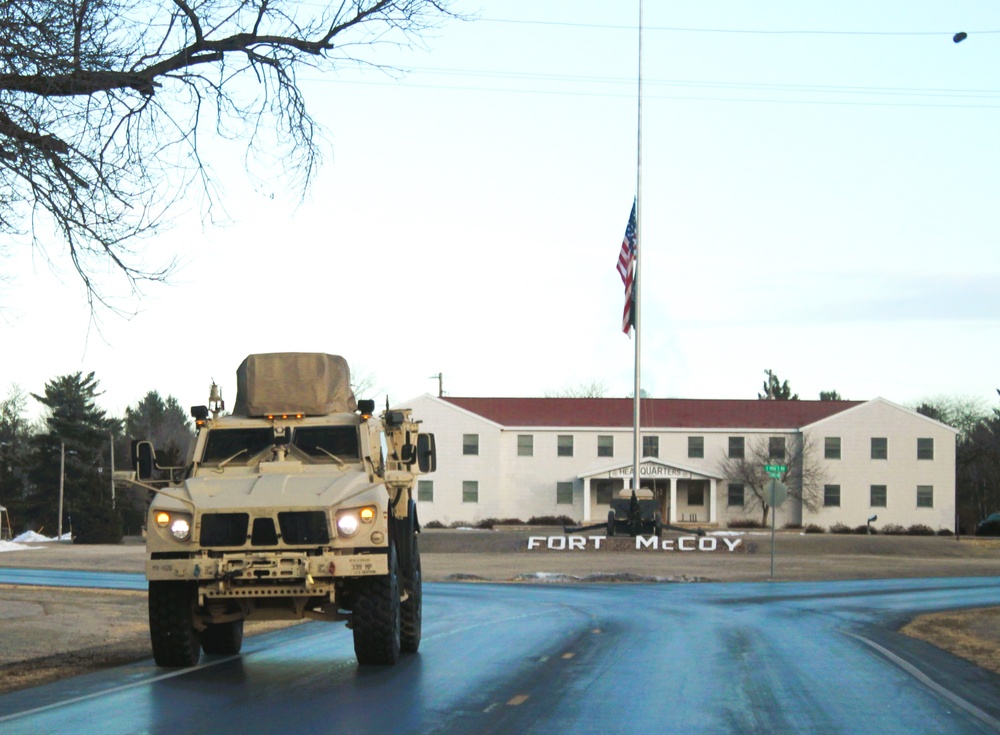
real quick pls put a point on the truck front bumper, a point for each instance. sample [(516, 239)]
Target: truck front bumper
[(275, 574)]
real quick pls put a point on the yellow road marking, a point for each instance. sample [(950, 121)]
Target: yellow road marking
[(568, 655), (519, 699)]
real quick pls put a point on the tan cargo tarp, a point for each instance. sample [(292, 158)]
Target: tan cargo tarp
[(293, 382)]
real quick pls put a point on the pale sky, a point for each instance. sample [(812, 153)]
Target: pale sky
[(819, 183)]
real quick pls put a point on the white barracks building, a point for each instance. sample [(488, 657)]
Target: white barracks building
[(526, 457)]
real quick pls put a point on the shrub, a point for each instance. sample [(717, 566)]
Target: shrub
[(792, 526), (892, 529), (460, 524), (813, 528), (97, 523), (489, 523), (745, 523), (551, 521), (919, 529), (432, 524), (864, 530), (945, 532), (841, 528)]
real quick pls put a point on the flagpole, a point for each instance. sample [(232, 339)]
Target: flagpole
[(636, 438)]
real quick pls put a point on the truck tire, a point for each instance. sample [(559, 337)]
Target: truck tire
[(376, 618), (171, 623), (611, 523), (411, 610), (223, 638)]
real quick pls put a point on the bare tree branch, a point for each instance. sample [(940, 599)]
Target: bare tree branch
[(101, 108), (804, 476)]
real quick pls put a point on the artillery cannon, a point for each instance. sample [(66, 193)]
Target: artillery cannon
[(635, 513)]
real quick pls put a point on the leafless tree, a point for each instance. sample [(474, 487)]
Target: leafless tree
[(593, 389), (105, 106), (804, 476)]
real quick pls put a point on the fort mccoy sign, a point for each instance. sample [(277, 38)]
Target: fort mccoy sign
[(642, 543)]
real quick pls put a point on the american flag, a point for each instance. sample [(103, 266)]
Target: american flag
[(626, 269)]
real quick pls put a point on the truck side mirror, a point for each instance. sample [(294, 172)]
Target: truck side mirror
[(426, 453), (143, 459)]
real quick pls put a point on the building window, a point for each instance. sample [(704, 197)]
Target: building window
[(776, 447), (736, 493), (564, 443), (425, 491), (696, 493), (925, 448), (831, 447), (831, 496), (736, 449), (879, 496), (470, 491), (650, 446), (525, 445), (470, 443), (880, 447), (604, 490), (605, 446), (564, 493), (696, 447), (925, 496)]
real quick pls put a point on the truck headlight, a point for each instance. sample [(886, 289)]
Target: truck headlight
[(180, 529), (349, 521), (348, 524), (177, 524)]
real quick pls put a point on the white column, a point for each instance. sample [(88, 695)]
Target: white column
[(586, 499), (673, 500), (712, 501)]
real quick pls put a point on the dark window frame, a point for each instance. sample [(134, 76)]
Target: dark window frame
[(831, 447), (880, 447), (696, 447)]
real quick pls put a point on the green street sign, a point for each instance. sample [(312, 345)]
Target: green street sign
[(775, 470)]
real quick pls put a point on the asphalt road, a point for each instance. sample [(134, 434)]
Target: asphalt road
[(815, 657)]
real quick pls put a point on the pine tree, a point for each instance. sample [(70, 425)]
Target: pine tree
[(74, 422)]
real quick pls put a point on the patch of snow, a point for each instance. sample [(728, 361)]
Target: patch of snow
[(31, 537), (11, 546)]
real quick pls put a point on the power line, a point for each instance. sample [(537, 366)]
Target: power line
[(680, 29)]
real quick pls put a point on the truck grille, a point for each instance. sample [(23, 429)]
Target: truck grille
[(304, 528), (224, 529), (297, 528)]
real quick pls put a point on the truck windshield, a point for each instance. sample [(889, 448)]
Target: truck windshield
[(236, 445), (340, 441)]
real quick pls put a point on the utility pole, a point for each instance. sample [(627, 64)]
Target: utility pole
[(111, 439), (62, 484), (440, 380)]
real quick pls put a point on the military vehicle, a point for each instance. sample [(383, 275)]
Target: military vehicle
[(298, 504), (636, 513)]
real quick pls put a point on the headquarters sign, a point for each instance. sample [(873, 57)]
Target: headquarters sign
[(649, 469)]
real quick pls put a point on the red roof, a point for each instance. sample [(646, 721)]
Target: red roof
[(660, 413)]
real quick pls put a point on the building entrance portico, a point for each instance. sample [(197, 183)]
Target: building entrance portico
[(684, 493)]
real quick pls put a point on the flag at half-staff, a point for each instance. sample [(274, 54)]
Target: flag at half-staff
[(626, 269)]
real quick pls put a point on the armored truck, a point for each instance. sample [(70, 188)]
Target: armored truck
[(299, 504)]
